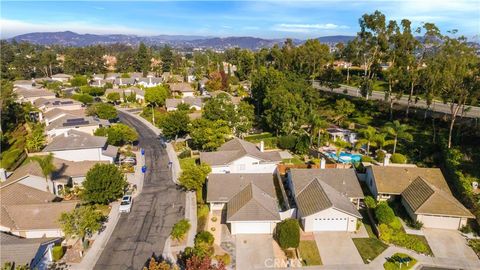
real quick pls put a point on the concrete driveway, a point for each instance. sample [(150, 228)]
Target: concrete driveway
[(449, 244), (337, 248), (254, 251)]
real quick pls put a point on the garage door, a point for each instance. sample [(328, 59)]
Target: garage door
[(440, 222), (251, 228), (330, 224)]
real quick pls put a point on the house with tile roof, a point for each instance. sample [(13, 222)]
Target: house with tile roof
[(80, 146), (249, 201), (424, 193), (326, 199), (35, 253), (240, 156)]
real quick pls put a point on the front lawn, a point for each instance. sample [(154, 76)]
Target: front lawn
[(295, 160), (399, 261), (309, 253), (187, 161), (369, 248)]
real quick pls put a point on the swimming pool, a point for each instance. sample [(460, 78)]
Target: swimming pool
[(345, 157)]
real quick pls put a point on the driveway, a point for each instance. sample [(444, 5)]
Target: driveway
[(254, 251), (337, 248), (449, 244), (143, 232)]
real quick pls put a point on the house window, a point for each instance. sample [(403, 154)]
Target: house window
[(255, 163)]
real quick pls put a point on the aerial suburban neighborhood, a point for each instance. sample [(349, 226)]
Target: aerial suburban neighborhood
[(359, 149)]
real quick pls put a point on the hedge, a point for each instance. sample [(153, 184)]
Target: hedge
[(287, 233), (287, 142), (384, 213), (398, 158)]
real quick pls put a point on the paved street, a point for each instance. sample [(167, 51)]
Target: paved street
[(144, 230), (474, 112)]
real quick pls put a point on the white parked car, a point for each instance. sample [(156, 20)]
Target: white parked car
[(126, 204)]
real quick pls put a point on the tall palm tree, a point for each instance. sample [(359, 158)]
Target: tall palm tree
[(47, 166), (35, 142), (381, 141), (398, 131), (369, 136), (317, 125)]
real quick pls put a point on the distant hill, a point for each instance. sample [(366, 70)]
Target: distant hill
[(69, 38)]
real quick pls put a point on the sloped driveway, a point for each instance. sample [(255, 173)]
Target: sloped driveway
[(254, 251), (337, 248), (449, 244)]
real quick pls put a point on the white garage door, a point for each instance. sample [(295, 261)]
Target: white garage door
[(251, 228), (330, 224), (440, 222)]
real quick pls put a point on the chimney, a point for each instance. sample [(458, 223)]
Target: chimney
[(386, 160), (322, 163), (3, 175), (262, 146)]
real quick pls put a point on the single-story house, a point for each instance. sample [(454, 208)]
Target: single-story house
[(62, 77), (239, 156), (80, 146), (249, 200), (182, 89), (135, 75), (31, 94), (112, 76), (63, 103), (424, 193), (87, 124), (57, 113), (326, 199), (67, 173), (98, 76), (195, 103), (124, 81), (34, 253), (139, 93), (345, 135), (97, 82), (149, 81)]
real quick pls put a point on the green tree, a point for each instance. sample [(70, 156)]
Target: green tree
[(118, 134), (287, 233), (330, 77), (156, 96), (398, 131), (175, 124), (103, 184), (244, 118), (384, 213), (113, 97), (209, 135), (103, 111), (343, 108), (143, 59), (36, 140), (46, 165), (219, 108), (82, 222), (180, 229), (369, 135), (193, 177), (79, 81), (83, 98)]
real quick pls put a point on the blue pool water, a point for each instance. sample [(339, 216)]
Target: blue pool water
[(345, 157)]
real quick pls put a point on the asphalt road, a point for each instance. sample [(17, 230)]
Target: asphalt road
[(437, 106), (142, 232)]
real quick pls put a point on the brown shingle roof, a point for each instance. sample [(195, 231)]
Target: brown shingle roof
[(181, 87), (58, 111), (424, 198), (318, 196), (394, 180), (75, 140), (21, 194), (20, 250), (252, 203), (222, 187), (343, 180), (35, 216), (235, 149)]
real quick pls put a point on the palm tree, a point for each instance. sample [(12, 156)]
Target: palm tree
[(369, 136), (47, 166), (35, 142), (381, 142), (317, 124), (398, 131)]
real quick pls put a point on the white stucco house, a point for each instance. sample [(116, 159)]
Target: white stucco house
[(194, 102), (149, 81), (80, 146), (61, 103), (87, 124), (249, 201), (239, 156), (423, 192), (345, 135), (326, 199)]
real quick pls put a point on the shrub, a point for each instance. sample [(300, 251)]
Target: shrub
[(225, 258), (398, 158), (287, 142), (380, 156), (10, 156), (287, 233), (214, 219), (180, 229), (370, 202), (384, 213), (367, 159), (415, 224), (204, 238), (395, 224), (385, 232), (400, 238), (57, 253), (185, 154)]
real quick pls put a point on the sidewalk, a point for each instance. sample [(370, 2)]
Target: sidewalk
[(137, 177), (101, 239)]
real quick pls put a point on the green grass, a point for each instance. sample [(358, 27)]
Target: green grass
[(309, 253), (294, 160), (369, 248), (187, 161), (393, 264), (422, 239)]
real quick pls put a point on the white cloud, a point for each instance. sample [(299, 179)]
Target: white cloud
[(10, 28), (306, 28)]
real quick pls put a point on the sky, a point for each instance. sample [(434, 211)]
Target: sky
[(265, 19)]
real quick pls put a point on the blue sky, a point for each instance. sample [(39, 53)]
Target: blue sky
[(268, 19)]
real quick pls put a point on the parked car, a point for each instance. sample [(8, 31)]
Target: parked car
[(130, 160), (126, 204)]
